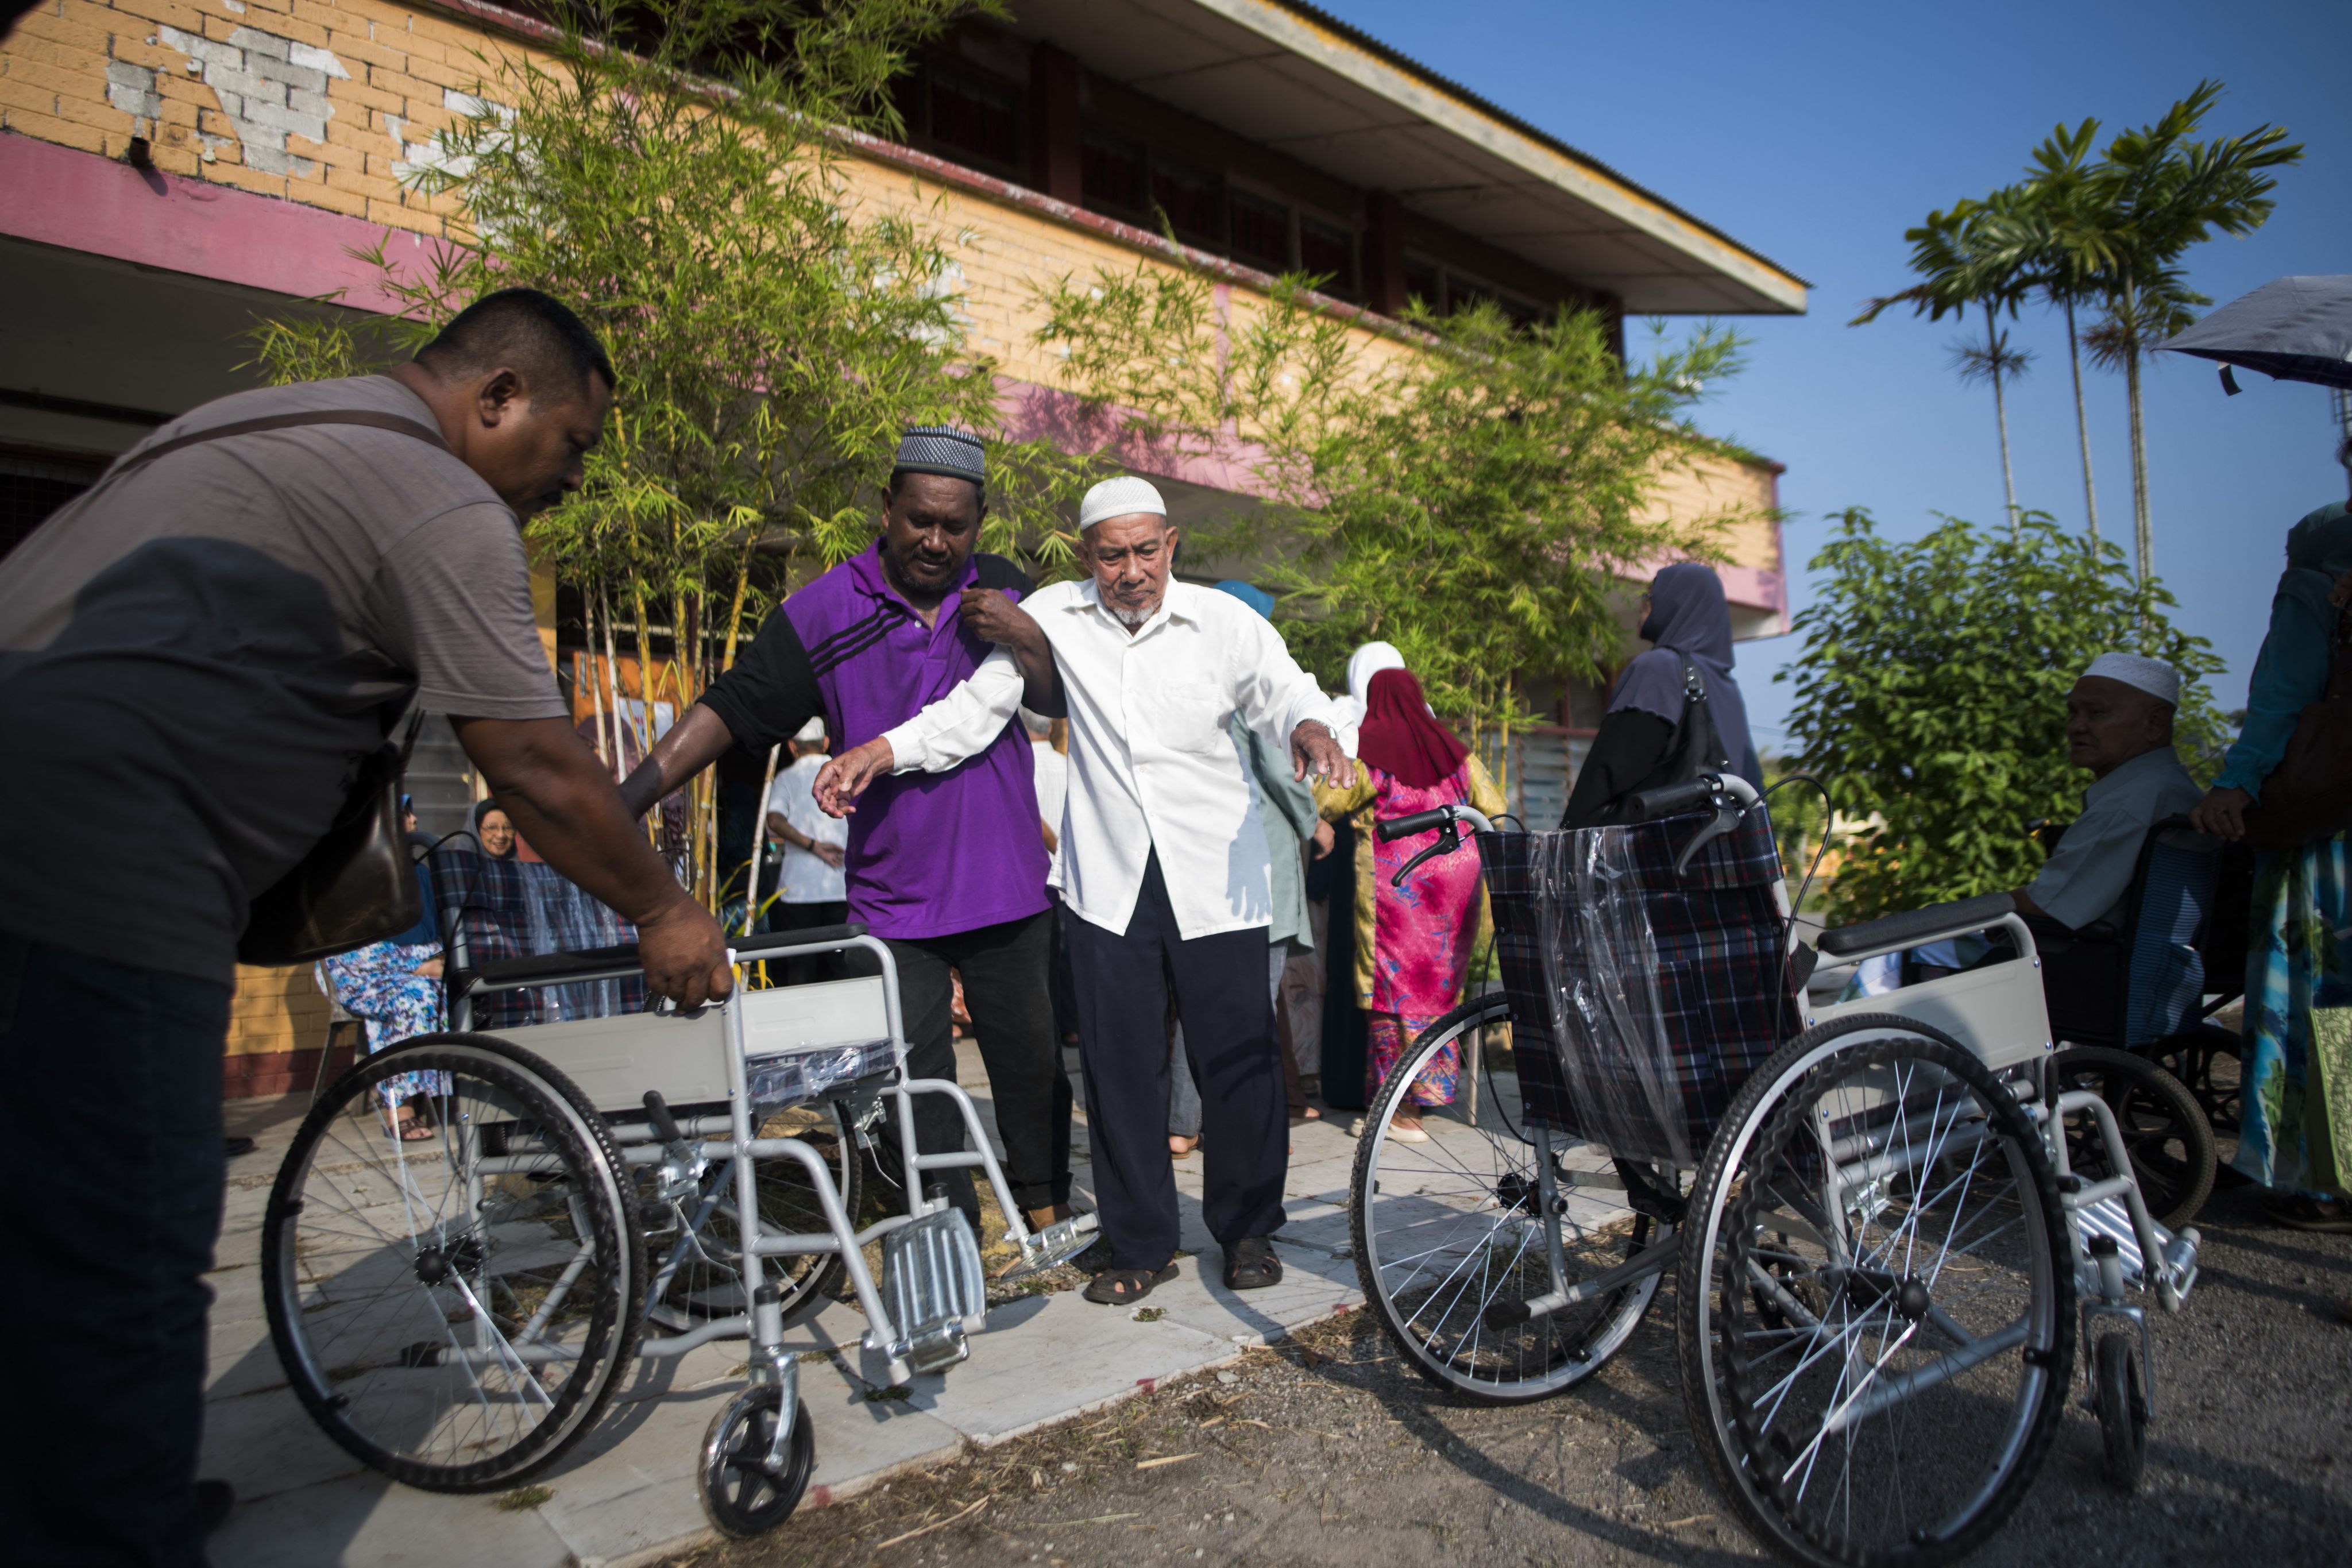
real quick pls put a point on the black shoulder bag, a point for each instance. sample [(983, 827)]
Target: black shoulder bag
[(1696, 747), (356, 885)]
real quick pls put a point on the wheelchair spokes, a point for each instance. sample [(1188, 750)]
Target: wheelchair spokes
[(450, 1308), (1878, 1324)]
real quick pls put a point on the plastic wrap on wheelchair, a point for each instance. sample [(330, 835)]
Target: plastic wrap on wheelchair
[(1639, 1000)]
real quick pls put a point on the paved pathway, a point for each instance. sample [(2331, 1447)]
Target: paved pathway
[(624, 1494)]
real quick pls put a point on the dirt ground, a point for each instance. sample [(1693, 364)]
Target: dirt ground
[(1325, 1450)]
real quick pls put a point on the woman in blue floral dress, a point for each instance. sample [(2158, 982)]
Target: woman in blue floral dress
[(394, 988), (2296, 1070)]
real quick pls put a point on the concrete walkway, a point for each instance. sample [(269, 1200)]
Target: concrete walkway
[(625, 1494)]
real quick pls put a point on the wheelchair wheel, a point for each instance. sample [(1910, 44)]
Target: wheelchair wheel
[(1448, 1229), (2122, 1410), (744, 1493), (708, 1281), (1875, 1298), (453, 1312), (2166, 1136), (2206, 1061)]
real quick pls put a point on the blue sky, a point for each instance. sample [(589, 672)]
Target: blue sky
[(1817, 133)]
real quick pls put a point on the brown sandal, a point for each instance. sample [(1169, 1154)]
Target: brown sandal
[(1125, 1287)]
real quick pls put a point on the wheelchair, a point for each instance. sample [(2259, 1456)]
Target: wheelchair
[(1882, 1247), (457, 1311), (2150, 990)]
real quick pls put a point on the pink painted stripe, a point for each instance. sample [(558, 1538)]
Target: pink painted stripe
[(63, 196)]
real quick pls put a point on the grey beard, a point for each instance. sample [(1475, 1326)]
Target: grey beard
[(1133, 618)]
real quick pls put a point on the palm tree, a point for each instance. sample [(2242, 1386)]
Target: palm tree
[(1961, 264), (2154, 195), (2039, 231)]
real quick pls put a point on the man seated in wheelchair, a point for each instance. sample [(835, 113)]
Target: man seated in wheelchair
[(2119, 726)]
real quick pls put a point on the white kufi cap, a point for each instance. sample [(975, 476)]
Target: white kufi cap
[(1121, 497), (810, 733), (2153, 675)]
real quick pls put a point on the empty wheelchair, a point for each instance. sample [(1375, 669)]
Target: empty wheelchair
[(456, 1310), (1883, 1254)]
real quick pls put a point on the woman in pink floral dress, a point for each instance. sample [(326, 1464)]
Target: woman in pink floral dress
[(1414, 943)]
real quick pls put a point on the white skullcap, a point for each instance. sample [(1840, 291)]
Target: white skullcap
[(2153, 675), (810, 733), (1121, 497)]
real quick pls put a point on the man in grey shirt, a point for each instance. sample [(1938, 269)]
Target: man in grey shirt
[(2118, 725), (194, 655)]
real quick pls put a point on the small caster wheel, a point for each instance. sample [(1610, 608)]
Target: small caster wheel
[(2123, 1412), (742, 1493)]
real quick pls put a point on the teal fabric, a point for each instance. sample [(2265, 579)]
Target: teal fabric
[(2291, 671), (1287, 809)]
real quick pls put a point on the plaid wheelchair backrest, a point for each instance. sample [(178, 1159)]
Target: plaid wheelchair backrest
[(1640, 1001), (514, 909), (2176, 881)]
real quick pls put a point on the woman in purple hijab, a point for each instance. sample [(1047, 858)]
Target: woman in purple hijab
[(1654, 732)]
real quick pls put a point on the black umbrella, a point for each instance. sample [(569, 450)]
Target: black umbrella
[(2293, 329)]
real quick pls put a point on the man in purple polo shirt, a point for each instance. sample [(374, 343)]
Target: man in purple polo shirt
[(949, 868)]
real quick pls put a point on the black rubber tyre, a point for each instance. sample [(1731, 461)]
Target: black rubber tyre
[(741, 1495), (1876, 1300), (1447, 1229), (455, 1311), (2166, 1136), (2122, 1410), (707, 1282)]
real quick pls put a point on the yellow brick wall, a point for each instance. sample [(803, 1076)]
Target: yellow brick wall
[(374, 79), (275, 1010)]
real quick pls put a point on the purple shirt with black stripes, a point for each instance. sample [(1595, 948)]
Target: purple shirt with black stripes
[(929, 854)]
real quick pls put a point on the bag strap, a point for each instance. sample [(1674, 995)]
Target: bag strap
[(1695, 702), (373, 418)]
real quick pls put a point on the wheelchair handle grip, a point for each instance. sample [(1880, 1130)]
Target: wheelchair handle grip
[(1669, 799), (657, 1112), (1406, 826)]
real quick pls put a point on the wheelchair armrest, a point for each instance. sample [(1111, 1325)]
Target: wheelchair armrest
[(553, 968), (1915, 926), (813, 936)]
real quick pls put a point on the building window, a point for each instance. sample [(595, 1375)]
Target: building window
[(34, 484), (1329, 251), (1110, 171), (1444, 291), (1188, 195), (1425, 281), (976, 121), (1261, 231)]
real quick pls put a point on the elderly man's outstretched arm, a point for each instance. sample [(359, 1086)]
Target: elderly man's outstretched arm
[(958, 726)]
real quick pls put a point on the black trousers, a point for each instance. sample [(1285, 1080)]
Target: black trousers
[(1123, 981), (1004, 972), (104, 1248), (782, 917)]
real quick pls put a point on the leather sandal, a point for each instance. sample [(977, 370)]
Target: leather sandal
[(1125, 1287), (1251, 1265)]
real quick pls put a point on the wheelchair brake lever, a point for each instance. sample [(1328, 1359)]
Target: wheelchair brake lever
[(1448, 841), (1726, 818)]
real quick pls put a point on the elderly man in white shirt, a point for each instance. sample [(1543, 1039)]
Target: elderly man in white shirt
[(1165, 873)]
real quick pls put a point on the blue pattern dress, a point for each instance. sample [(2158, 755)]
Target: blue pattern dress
[(379, 985)]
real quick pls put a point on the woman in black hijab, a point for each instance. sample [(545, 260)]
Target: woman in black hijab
[(492, 830), (1653, 734)]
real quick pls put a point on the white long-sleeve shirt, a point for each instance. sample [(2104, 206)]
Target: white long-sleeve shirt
[(1151, 763)]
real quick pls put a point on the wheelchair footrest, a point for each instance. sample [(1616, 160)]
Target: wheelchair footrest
[(932, 1283), (2176, 1264), (1055, 1243)]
